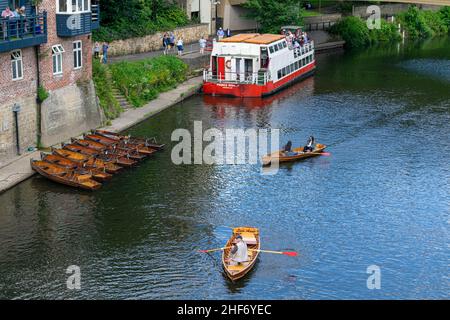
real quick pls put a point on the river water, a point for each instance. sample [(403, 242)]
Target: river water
[(382, 198)]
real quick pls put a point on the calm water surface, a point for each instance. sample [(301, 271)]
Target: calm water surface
[(382, 197)]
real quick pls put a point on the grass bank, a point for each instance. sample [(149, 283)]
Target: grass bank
[(104, 89), (416, 23), (139, 82)]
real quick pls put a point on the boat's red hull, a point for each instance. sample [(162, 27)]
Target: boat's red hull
[(254, 90)]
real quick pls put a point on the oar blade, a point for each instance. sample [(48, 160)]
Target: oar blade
[(326, 154), (290, 253)]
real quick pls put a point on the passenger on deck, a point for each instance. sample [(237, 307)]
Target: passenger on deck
[(7, 13), (239, 252), (310, 146)]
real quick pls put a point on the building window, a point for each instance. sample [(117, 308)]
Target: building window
[(17, 65), (77, 55), (57, 56), (73, 6)]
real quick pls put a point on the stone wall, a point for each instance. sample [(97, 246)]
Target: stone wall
[(23, 93), (68, 112), (154, 42), (27, 118)]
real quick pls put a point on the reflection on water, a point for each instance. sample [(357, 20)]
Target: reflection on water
[(381, 198)]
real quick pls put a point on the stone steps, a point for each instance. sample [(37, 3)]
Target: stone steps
[(120, 98)]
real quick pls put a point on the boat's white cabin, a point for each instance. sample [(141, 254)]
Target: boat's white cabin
[(256, 58)]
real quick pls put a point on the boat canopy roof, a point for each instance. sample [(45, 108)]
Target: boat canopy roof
[(254, 38)]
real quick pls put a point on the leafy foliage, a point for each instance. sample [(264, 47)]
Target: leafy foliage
[(104, 89), (271, 15), (353, 30), (417, 23), (42, 94), (414, 22), (445, 16), (142, 81), (122, 19)]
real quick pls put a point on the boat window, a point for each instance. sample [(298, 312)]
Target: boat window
[(280, 46), (296, 65), (284, 44), (275, 48), (271, 49), (279, 74)]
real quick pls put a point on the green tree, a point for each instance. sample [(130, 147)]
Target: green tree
[(271, 15), (123, 19)]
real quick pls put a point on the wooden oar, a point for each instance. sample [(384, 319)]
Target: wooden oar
[(286, 253), (213, 250), (318, 153)]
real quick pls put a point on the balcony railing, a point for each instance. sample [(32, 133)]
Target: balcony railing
[(95, 9), (18, 33)]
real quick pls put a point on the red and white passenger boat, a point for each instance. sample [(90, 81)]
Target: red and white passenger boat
[(256, 65)]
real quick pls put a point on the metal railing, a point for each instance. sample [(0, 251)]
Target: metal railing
[(260, 78), (307, 47), (12, 29), (316, 26)]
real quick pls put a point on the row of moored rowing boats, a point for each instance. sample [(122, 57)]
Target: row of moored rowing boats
[(87, 162)]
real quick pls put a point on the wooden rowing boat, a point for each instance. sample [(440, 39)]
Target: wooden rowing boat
[(117, 143), (251, 237), (97, 173), (300, 155), (131, 151), (65, 176), (80, 149), (134, 140), (90, 144), (82, 159), (101, 139)]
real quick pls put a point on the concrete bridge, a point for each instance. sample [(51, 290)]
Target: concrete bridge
[(430, 2)]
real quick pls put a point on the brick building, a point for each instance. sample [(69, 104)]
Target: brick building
[(48, 46)]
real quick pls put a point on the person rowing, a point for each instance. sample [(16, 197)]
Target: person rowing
[(310, 145), (238, 253), (287, 150)]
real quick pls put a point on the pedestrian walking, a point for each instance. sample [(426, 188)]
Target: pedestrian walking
[(97, 50), (171, 40), (180, 46), (166, 43), (220, 33), (202, 43), (105, 49)]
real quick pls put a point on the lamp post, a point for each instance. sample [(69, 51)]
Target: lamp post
[(16, 110)]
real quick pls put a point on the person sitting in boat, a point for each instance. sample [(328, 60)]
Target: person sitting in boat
[(287, 150), (310, 145), (239, 252)]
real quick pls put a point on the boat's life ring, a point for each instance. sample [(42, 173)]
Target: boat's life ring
[(228, 64)]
